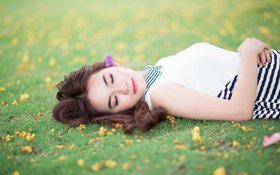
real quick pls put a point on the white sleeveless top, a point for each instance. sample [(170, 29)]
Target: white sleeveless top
[(201, 67)]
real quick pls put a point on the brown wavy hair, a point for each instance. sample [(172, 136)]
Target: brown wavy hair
[(74, 107)]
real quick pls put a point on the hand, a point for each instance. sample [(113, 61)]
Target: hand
[(264, 57), (252, 46)]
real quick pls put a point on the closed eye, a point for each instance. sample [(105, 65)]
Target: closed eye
[(112, 78), (117, 102)]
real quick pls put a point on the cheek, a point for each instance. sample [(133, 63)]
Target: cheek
[(128, 102)]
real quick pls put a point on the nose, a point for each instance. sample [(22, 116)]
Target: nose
[(123, 88)]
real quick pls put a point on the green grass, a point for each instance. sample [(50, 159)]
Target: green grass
[(48, 39)]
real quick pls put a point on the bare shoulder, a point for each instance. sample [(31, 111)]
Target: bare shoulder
[(187, 103), (161, 92), (165, 94)]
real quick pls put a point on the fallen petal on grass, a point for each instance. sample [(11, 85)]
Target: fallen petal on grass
[(26, 149), (220, 171), (269, 140), (24, 97), (81, 162), (196, 135)]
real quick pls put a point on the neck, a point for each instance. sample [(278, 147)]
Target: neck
[(143, 73)]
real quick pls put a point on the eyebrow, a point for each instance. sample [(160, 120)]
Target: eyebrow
[(104, 79), (112, 78)]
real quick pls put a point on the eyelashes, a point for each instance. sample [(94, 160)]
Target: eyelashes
[(117, 102), (111, 96), (116, 99), (112, 78)]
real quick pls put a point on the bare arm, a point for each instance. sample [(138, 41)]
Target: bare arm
[(191, 104)]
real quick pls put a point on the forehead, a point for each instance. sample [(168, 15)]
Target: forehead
[(97, 94)]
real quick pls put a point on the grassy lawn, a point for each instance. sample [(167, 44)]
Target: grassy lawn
[(41, 41)]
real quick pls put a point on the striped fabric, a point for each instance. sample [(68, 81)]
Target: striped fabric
[(267, 103), (153, 73)]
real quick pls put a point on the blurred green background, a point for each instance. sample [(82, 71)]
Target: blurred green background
[(41, 41)]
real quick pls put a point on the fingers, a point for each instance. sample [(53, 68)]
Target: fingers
[(267, 55), (271, 53), (264, 57), (259, 62)]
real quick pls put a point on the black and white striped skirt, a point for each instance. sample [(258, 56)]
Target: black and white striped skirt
[(267, 103)]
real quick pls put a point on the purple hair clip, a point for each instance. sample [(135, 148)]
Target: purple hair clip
[(109, 61)]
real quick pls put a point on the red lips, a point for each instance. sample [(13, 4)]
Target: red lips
[(134, 86)]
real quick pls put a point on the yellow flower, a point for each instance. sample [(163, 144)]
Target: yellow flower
[(110, 163), (81, 162), (24, 97), (235, 124), (92, 53), (30, 137), (196, 138), (109, 133), (125, 166), (7, 138), (202, 148), (220, 171), (15, 103), (265, 31), (52, 62), (226, 155), (196, 135), (48, 79), (60, 146), (79, 46), (2, 89), (171, 119), (62, 157), (248, 146), (218, 154), (118, 126), (271, 129), (17, 134), (146, 161), (23, 134), (52, 130), (196, 129), (102, 131), (25, 57), (26, 149), (168, 117), (180, 146), (245, 129), (71, 147), (182, 157), (3, 103), (16, 173), (82, 126), (95, 139), (235, 144), (96, 167), (40, 114), (133, 156), (128, 141)]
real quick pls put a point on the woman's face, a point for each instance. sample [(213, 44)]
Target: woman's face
[(115, 89)]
